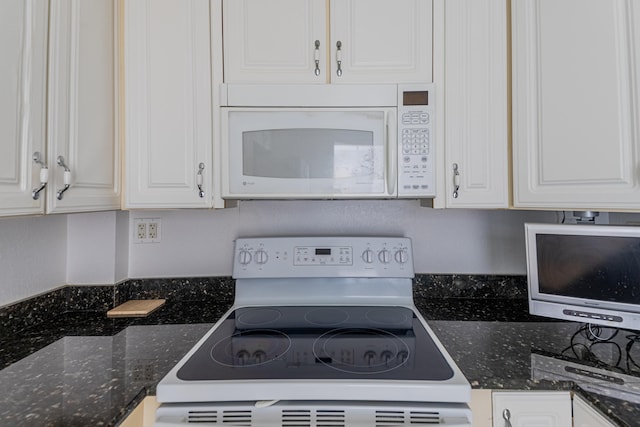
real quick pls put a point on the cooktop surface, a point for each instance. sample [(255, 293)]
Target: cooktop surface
[(318, 342)]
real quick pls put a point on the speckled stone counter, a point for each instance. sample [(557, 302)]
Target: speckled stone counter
[(81, 369)]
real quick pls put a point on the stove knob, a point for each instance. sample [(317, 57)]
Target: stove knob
[(259, 356), (243, 357), (384, 256), (367, 256), (369, 356), (386, 356), (244, 257), (401, 256), (261, 256)]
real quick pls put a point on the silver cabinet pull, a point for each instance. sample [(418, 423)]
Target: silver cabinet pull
[(44, 175), (316, 57), (200, 180), (506, 414), (456, 181), (339, 58), (67, 178)]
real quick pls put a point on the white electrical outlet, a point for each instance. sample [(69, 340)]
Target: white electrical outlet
[(146, 230)]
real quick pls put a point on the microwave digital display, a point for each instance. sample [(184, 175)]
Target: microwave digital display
[(420, 97), (323, 251)]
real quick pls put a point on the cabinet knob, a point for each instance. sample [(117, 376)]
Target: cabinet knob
[(44, 175), (339, 58), (66, 177), (456, 181), (316, 57), (199, 181), (506, 414)]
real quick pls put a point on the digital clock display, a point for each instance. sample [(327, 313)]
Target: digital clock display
[(323, 251), (415, 98)]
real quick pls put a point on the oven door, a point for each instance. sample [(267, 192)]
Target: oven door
[(308, 153)]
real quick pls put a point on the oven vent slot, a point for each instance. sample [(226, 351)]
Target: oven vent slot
[(296, 418), (330, 418), (313, 418), (235, 418), (395, 418), (195, 417)]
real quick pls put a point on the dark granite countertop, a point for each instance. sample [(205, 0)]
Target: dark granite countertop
[(84, 369)]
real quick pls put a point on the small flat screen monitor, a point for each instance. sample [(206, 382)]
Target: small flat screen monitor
[(585, 273)]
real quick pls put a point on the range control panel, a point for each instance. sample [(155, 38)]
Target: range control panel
[(323, 257)]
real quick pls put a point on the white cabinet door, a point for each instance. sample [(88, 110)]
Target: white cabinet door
[(286, 41), (275, 40), (23, 48), (576, 123), (475, 100), (532, 409), (82, 107), (584, 415), (168, 104), (381, 41)]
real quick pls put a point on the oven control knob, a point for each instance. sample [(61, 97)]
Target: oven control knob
[(367, 256), (384, 256), (244, 257), (401, 256), (261, 256)]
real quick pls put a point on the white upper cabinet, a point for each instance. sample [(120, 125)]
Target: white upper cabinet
[(74, 116), (576, 100), (168, 104), (23, 48), (82, 139), (476, 171), (322, 41)]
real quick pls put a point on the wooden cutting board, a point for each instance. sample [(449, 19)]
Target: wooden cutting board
[(135, 308)]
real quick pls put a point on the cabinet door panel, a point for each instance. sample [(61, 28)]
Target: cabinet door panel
[(168, 103), (23, 36), (532, 409), (82, 105), (476, 118), (382, 40), (576, 135), (274, 40)]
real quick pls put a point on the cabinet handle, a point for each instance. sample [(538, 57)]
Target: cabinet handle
[(456, 181), (44, 175), (200, 180), (506, 414), (339, 58), (316, 57), (67, 178)]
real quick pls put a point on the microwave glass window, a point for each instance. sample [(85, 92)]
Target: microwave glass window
[(594, 267), (308, 153)]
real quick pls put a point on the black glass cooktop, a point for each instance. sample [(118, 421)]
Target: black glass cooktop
[(324, 342)]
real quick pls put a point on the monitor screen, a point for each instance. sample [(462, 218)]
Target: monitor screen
[(603, 268)]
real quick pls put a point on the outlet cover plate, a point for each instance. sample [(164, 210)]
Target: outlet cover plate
[(147, 230)]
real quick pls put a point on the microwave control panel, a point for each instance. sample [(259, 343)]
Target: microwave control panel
[(416, 141)]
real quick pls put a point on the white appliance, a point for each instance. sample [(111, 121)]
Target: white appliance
[(328, 141), (323, 331)]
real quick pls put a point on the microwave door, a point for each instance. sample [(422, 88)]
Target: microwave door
[(307, 154)]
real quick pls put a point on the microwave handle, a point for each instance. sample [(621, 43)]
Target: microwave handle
[(392, 152)]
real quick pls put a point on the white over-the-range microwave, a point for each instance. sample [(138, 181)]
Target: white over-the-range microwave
[(327, 141)]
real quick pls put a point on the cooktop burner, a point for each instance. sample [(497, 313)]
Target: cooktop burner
[(318, 342)]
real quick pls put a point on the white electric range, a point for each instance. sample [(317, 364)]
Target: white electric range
[(323, 332)]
